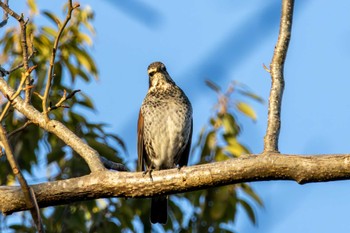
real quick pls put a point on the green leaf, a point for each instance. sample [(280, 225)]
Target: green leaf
[(52, 17), (252, 95), (49, 31), (249, 210), (85, 59), (220, 155), (86, 38), (234, 147), (209, 145), (32, 6), (248, 190), (213, 86), (103, 149), (230, 125), (86, 101), (246, 110)]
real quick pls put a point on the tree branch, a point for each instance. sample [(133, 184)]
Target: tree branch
[(17, 93), (5, 16), (24, 44), (268, 166), (29, 198), (90, 155), (276, 70), (53, 56)]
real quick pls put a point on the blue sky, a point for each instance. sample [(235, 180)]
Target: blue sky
[(230, 40)]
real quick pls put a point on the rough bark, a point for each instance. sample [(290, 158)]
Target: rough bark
[(90, 155), (277, 77), (302, 169)]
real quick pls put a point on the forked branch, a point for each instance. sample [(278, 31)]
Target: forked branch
[(90, 155), (53, 57)]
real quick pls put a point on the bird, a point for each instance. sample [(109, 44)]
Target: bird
[(164, 130)]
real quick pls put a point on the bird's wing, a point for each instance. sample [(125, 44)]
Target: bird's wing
[(184, 157), (140, 145)]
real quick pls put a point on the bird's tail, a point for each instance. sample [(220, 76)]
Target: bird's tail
[(159, 210)]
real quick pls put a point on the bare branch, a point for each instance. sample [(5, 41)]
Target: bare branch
[(90, 155), (3, 72), (4, 6), (52, 60), (276, 70), (263, 167), (64, 97), (17, 93), (5, 16), (22, 64), (19, 129), (28, 198), (113, 165)]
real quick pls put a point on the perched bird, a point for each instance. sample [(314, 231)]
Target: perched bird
[(164, 131)]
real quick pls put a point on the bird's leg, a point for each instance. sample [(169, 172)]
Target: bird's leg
[(178, 166), (148, 170)]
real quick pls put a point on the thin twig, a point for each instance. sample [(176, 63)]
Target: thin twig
[(37, 210), (3, 72), (22, 64), (113, 165), (18, 92), (52, 60), (64, 97), (29, 199), (276, 70), (25, 57), (90, 155), (5, 16), (6, 8), (24, 44), (19, 129)]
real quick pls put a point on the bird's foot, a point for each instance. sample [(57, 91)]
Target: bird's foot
[(179, 167), (149, 171)]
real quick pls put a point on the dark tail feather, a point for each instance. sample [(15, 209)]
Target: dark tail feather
[(159, 210)]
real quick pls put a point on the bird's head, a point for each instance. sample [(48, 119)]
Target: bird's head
[(158, 75)]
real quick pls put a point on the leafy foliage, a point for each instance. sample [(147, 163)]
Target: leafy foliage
[(201, 211), (32, 146), (217, 142)]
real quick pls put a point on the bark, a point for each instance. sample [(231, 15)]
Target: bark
[(90, 155), (277, 77), (264, 167)]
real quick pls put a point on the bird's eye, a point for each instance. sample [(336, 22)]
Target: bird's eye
[(152, 73), (163, 68)]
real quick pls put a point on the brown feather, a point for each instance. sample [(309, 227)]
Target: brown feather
[(185, 154), (140, 145)]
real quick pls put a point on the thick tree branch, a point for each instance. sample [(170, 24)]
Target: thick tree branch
[(302, 169), (276, 70), (90, 155)]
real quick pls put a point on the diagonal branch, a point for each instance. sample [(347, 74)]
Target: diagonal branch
[(90, 155), (29, 198), (24, 44), (276, 70), (53, 56), (249, 168), (5, 16), (17, 93)]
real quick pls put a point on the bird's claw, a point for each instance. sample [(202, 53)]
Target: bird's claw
[(149, 171)]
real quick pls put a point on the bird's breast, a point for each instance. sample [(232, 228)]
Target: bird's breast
[(166, 130)]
